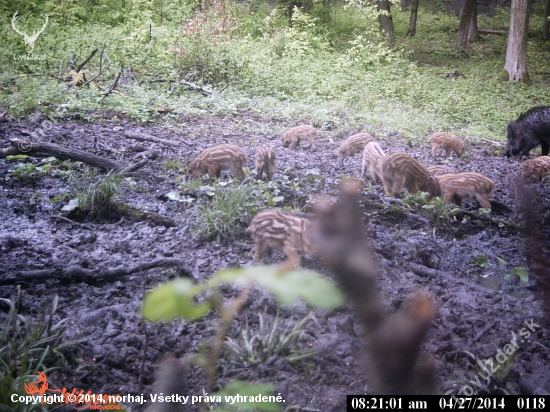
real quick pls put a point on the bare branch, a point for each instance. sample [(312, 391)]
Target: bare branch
[(393, 341)]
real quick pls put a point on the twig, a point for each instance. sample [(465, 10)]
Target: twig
[(113, 87), (492, 141), (197, 87), (481, 333), (67, 220), (134, 167), (100, 67), (150, 138), (393, 342), (227, 317), (94, 51)]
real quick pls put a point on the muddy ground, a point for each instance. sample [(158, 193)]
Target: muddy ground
[(481, 301)]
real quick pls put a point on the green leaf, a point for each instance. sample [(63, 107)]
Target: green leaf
[(501, 261), (173, 300), (248, 396), (16, 157), (522, 274), (480, 261), (278, 199), (312, 287)]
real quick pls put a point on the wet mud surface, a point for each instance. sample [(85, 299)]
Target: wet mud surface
[(484, 301)]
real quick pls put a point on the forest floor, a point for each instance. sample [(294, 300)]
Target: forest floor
[(485, 294)]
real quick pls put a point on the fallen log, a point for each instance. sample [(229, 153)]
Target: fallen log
[(43, 149), (22, 146), (79, 273)]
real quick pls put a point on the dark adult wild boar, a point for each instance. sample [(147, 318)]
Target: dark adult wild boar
[(531, 129)]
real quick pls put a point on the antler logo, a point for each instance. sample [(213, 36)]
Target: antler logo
[(29, 40)]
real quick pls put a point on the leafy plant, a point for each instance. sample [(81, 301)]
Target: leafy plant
[(28, 172), (226, 215), (28, 345), (480, 261), (269, 341), (172, 164), (439, 210), (179, 299), (97, 199)]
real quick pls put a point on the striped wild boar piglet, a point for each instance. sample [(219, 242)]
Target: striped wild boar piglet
[(372, 159), (276, 229), (215, 159), (458, 186), (531, 129), (355, 144), (446, 142), (402, 170), (534, 170), (265, 161), (294, 136), (439, 170)]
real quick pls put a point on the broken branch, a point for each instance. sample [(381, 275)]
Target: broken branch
[(393, 341), (150, 138)]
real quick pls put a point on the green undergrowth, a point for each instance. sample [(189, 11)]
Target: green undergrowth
[(333, 71)]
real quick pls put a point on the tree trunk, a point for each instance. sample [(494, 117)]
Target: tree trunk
[(515, 67), (404, 3), (473, 33), (546, 24), (414, 15), (326, 11), (467, 28), (384, 17)]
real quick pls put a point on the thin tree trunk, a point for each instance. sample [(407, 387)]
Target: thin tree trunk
[(384, 17), (467, 28), (473, 33), (414, 15), (515, 67), (546, 24)]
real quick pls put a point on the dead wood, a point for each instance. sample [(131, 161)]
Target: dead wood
[(135, 166), (114, 85), (86, 82), (41, 149), (151, 138), (481, 333), (79, 273), (492, 31), (427, 272), (393, 341), (197, 87), (492, 142), (20, 146), (87, 59)]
